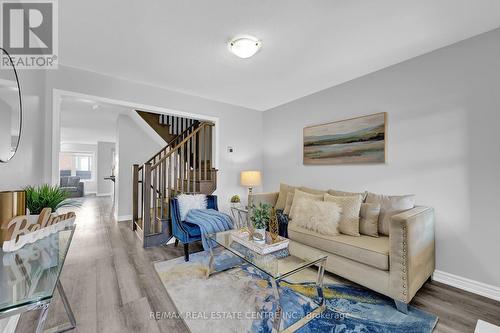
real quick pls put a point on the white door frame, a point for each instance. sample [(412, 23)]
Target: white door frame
[(57, 94)]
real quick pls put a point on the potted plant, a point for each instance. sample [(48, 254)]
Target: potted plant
[(40, 197), (260, 216), (235, 200)]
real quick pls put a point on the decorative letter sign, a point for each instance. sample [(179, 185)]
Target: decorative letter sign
[(26, 229)]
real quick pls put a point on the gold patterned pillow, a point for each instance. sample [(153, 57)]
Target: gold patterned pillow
[(349, 222)]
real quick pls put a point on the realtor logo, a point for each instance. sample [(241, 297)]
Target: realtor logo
[(29, 33)]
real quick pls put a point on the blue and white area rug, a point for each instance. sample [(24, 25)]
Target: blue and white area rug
[(241, 300)]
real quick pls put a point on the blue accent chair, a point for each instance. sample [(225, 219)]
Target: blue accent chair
[(186, 232)]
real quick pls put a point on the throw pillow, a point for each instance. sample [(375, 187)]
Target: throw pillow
[(190, 201), (349, 222), (337, 193), (311, 190), (288, 204), (73, 181), (390, 205), (368, 219), (318, 216), (299, 195), (282, 223), (284, 190)]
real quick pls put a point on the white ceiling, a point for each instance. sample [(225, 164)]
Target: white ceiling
[(80, 123), (308, 45)]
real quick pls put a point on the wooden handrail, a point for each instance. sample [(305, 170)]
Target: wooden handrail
[(202, 125), (169, 144)]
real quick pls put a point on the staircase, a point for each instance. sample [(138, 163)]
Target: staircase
[(184, 165)]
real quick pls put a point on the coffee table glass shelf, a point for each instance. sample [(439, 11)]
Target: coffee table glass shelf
[(278, 266), (30, 276)]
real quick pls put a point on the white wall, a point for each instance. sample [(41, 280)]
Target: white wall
[(134, 146), (238, 127), (72, 147), (27, 166), (104, 165), (443, 113)]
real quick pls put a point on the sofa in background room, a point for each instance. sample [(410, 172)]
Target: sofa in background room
[(73, 186)]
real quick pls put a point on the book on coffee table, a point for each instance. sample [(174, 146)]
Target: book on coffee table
[(269, 246)]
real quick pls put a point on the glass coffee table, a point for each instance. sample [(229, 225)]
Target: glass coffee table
[(30, 276), (278, 267)]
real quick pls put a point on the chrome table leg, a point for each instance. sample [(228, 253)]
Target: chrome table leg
[(277, 318), (42, 317), (210, 267)]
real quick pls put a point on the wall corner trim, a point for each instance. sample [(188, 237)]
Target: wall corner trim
[(469, 285)]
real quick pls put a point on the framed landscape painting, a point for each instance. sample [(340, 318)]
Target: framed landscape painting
[(352, 141)]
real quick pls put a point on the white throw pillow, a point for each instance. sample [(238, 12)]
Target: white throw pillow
[(300, 195), (191, 201), (318, 216)]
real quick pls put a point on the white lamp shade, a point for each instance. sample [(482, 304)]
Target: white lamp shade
[(250, 178)]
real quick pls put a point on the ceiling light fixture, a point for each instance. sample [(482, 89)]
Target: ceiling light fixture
[(244, 47)]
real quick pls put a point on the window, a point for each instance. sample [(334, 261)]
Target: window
[(77, 164)]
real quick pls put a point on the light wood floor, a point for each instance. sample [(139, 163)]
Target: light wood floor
[(112, 286)]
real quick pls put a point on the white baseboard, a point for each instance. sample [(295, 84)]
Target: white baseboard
[(122, 218), (472, 286), (104, 195)]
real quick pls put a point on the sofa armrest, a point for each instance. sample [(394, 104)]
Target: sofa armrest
[(81, 188), (412, 251), (265, 198)]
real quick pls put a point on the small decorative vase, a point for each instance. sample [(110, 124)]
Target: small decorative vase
[(259, 235), (273, 225)]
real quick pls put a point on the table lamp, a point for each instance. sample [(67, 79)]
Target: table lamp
[(250, 179)]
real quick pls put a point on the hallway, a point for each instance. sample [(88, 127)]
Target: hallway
[(109, 279)]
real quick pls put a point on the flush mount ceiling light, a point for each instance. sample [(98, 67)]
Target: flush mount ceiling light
[(244, 47)]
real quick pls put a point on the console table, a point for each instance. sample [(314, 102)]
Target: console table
[(30, 276)]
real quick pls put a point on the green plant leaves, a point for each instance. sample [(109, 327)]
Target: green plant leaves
[(260, 215), (53, 197)]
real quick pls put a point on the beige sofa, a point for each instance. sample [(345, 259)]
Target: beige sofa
[(396, 265)]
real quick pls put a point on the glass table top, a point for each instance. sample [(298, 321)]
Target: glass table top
[(279, 264), (29, 275)]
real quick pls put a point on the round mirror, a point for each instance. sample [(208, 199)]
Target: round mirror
[(10, 108)]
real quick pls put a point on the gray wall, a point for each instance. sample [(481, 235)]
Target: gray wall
[(104, 166), (134, 146), (27, 167), (443, 113)]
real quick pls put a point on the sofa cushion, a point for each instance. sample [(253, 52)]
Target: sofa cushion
[(288, 204), (299, 195), (311, 190), (284, 189), (338, 193), (349, 222), (73, 181), (319, 216), (368, 219), (390, 205), (364, 249)]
